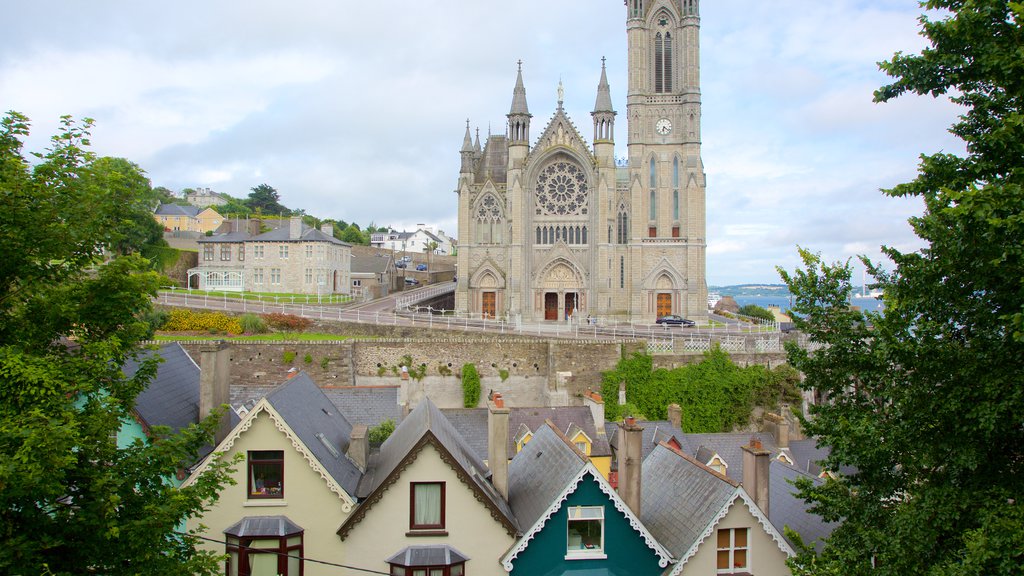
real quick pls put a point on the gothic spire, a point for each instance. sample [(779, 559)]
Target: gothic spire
[(604, 93), (476, 143), (519, 94), (467, 141)]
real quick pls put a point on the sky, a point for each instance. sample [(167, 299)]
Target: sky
[(356, 110)]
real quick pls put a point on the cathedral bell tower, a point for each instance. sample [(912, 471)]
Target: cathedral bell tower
[(667, 182)]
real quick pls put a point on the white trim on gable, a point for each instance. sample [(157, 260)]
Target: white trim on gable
[(347, 502), (664, 556), (742, 495)]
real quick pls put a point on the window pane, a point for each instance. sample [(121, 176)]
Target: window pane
[(437, 572), (294, 563), (741, 538), (419, 572), (739, 559), (723, 538), (455, 570), (427, 505), (266, 473), (723, 559), (584, 535)]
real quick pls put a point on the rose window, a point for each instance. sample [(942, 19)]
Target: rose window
[(488, 209), (561, 190)]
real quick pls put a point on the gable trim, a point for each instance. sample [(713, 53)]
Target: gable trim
[(347, 502), (664, 557), (738, 494), (407, 460)]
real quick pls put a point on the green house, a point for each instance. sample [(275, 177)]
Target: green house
[(573, 520)]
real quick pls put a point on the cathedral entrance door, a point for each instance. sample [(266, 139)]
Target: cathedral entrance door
[(570, 304), (551, 306), (488, 307), (664, 304)]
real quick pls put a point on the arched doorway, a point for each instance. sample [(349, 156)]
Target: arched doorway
[(560, 292)]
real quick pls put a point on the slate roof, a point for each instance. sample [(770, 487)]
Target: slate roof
[(472, 425), (806, 455), (368, 405), (177, 210), (538, 474), (701, 446), (308, 234), (315, 420), (427, 424), (236, 237), (263, 526), (172, 397), (434, 555), (786, 509), (679, 498), (370, 264)]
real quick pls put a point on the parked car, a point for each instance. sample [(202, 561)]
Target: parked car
[(411, 281), (675, 320), (421, 267), (405, 259), (399, 264)]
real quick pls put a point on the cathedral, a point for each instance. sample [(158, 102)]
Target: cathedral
[(560, 230)]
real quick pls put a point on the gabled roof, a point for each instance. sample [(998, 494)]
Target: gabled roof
[(787, 509), (682, 501), (807, 457), (172, 397), (177, 210), (232, 237), (318, 423), (427, 425), (544, 475), (301, 411), (308, 234)]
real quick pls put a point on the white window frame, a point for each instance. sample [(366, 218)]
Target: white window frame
[(282, 251), (731, 550), (584, 514)]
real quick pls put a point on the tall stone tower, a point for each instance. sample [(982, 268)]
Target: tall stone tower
[(666, 174), (558, 230)]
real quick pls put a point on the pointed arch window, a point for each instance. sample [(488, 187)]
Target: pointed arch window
[(663, 62), (653, 180), (489, 220), (622, 230), (654, 206)]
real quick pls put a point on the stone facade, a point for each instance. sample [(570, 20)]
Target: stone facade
[(560, 228)]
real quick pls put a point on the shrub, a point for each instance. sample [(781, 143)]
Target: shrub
[(444, 370), (503, 373), (470, 386), (308, 358), (180, 320), (252, 324), (325, 362), (382, 370), (289, 357), (381, 432), (287, 322), (755, 311), (155, 319)]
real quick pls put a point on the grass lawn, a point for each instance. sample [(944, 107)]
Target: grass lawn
[(274, 297)]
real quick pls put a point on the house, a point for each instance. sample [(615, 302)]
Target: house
[(578, 423), (301, 463), (205, 197), (374, 276), (295, 259), (415, 242), (426, 505), (710, 523), (573, 520), (172, 398), (178, 218)]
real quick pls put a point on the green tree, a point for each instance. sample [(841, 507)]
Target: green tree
[(71, 502), (127, 190), (234, 207), (264, 199), (353, 235), (925, 400), (755, 311)]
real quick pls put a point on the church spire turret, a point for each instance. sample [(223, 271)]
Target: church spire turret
[(519, 116), (467, 151), (476, 143), (604, 115)]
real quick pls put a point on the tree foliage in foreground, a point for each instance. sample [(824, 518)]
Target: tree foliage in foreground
[(926, 401), (71, 502), (716, 395)]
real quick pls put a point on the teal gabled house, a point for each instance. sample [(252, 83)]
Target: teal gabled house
[(573, 520)]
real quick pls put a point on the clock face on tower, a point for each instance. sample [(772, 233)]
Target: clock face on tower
[(663, 127)]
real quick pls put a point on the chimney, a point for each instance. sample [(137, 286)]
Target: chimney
[(359, 446), (778, 425), (594, 401), (630, 462), (215, 383), (254, 226), (755, 473), (295, 228), (497, 443), (327, 228), (622, 393), (675, 416)]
